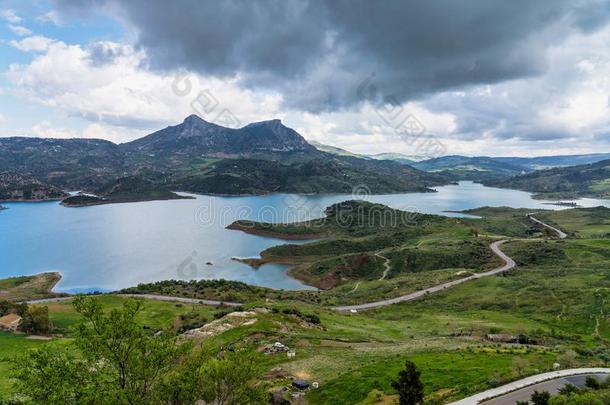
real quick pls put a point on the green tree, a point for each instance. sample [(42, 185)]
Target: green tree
[(409, 386), (56, 377), (567, 359), (36, 320), (231, 380), (134, 359), (114, 360), (592, 382), (541, 397)]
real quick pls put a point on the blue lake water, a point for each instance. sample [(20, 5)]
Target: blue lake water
[(108, 247)]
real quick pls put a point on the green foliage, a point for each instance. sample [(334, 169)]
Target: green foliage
[(56, 376), (540, 398), (592, 382), (36, 321), (232, 380), (9, 306), (409, 386), (133, 359), (114, 360)]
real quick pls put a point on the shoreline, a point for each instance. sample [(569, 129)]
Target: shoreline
[(235, 226)]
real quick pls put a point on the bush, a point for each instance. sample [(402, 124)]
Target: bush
[(36, 320)]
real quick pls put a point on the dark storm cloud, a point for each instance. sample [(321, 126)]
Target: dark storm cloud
[(318, 53)]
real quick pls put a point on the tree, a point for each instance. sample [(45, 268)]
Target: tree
[(116, 361), (567, 359), (134, 359), (409, 386), (36, 320), (592, 382), (569, 389), (520, 365), (55, 377), (231, 380), (541, 397)]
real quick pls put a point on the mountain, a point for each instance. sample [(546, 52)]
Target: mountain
[(18, 187), (335, 150), (66, 163), (591, 180), (396, 157), (399, 157), (196, 137), (200, 156), (483, 168), (548, 162), (469, 168)]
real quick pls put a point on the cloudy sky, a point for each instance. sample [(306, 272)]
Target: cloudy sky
[(483, 77)]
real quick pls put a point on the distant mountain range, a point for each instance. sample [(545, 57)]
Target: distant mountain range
[(481, 168), (589, 180), (199, 156), (396, 157)]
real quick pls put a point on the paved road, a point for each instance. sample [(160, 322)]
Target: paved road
[(495, 247), (561, 234), (510, 393)]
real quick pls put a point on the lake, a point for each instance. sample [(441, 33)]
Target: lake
[(108, 247)]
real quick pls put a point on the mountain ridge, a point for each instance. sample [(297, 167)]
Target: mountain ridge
[(204, 157)]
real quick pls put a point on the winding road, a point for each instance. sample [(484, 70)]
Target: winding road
[(560, 233), (495, 247)]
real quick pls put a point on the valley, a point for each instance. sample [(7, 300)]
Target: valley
[(446, 332)]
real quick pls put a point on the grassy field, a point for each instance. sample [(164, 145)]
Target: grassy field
[(157, 314)]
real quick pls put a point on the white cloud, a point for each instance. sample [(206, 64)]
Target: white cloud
[(45, 129), (10, 16), (50, 17), (107, 84), (36, 43), (19, 30)]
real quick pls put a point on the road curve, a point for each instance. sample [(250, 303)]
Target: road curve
[(495, 247), (526, 382), (560, 233)]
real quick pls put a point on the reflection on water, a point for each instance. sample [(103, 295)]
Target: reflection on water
[(108, 247)]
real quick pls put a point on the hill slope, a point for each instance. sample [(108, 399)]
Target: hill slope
[(591, 180), (18, 187)]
